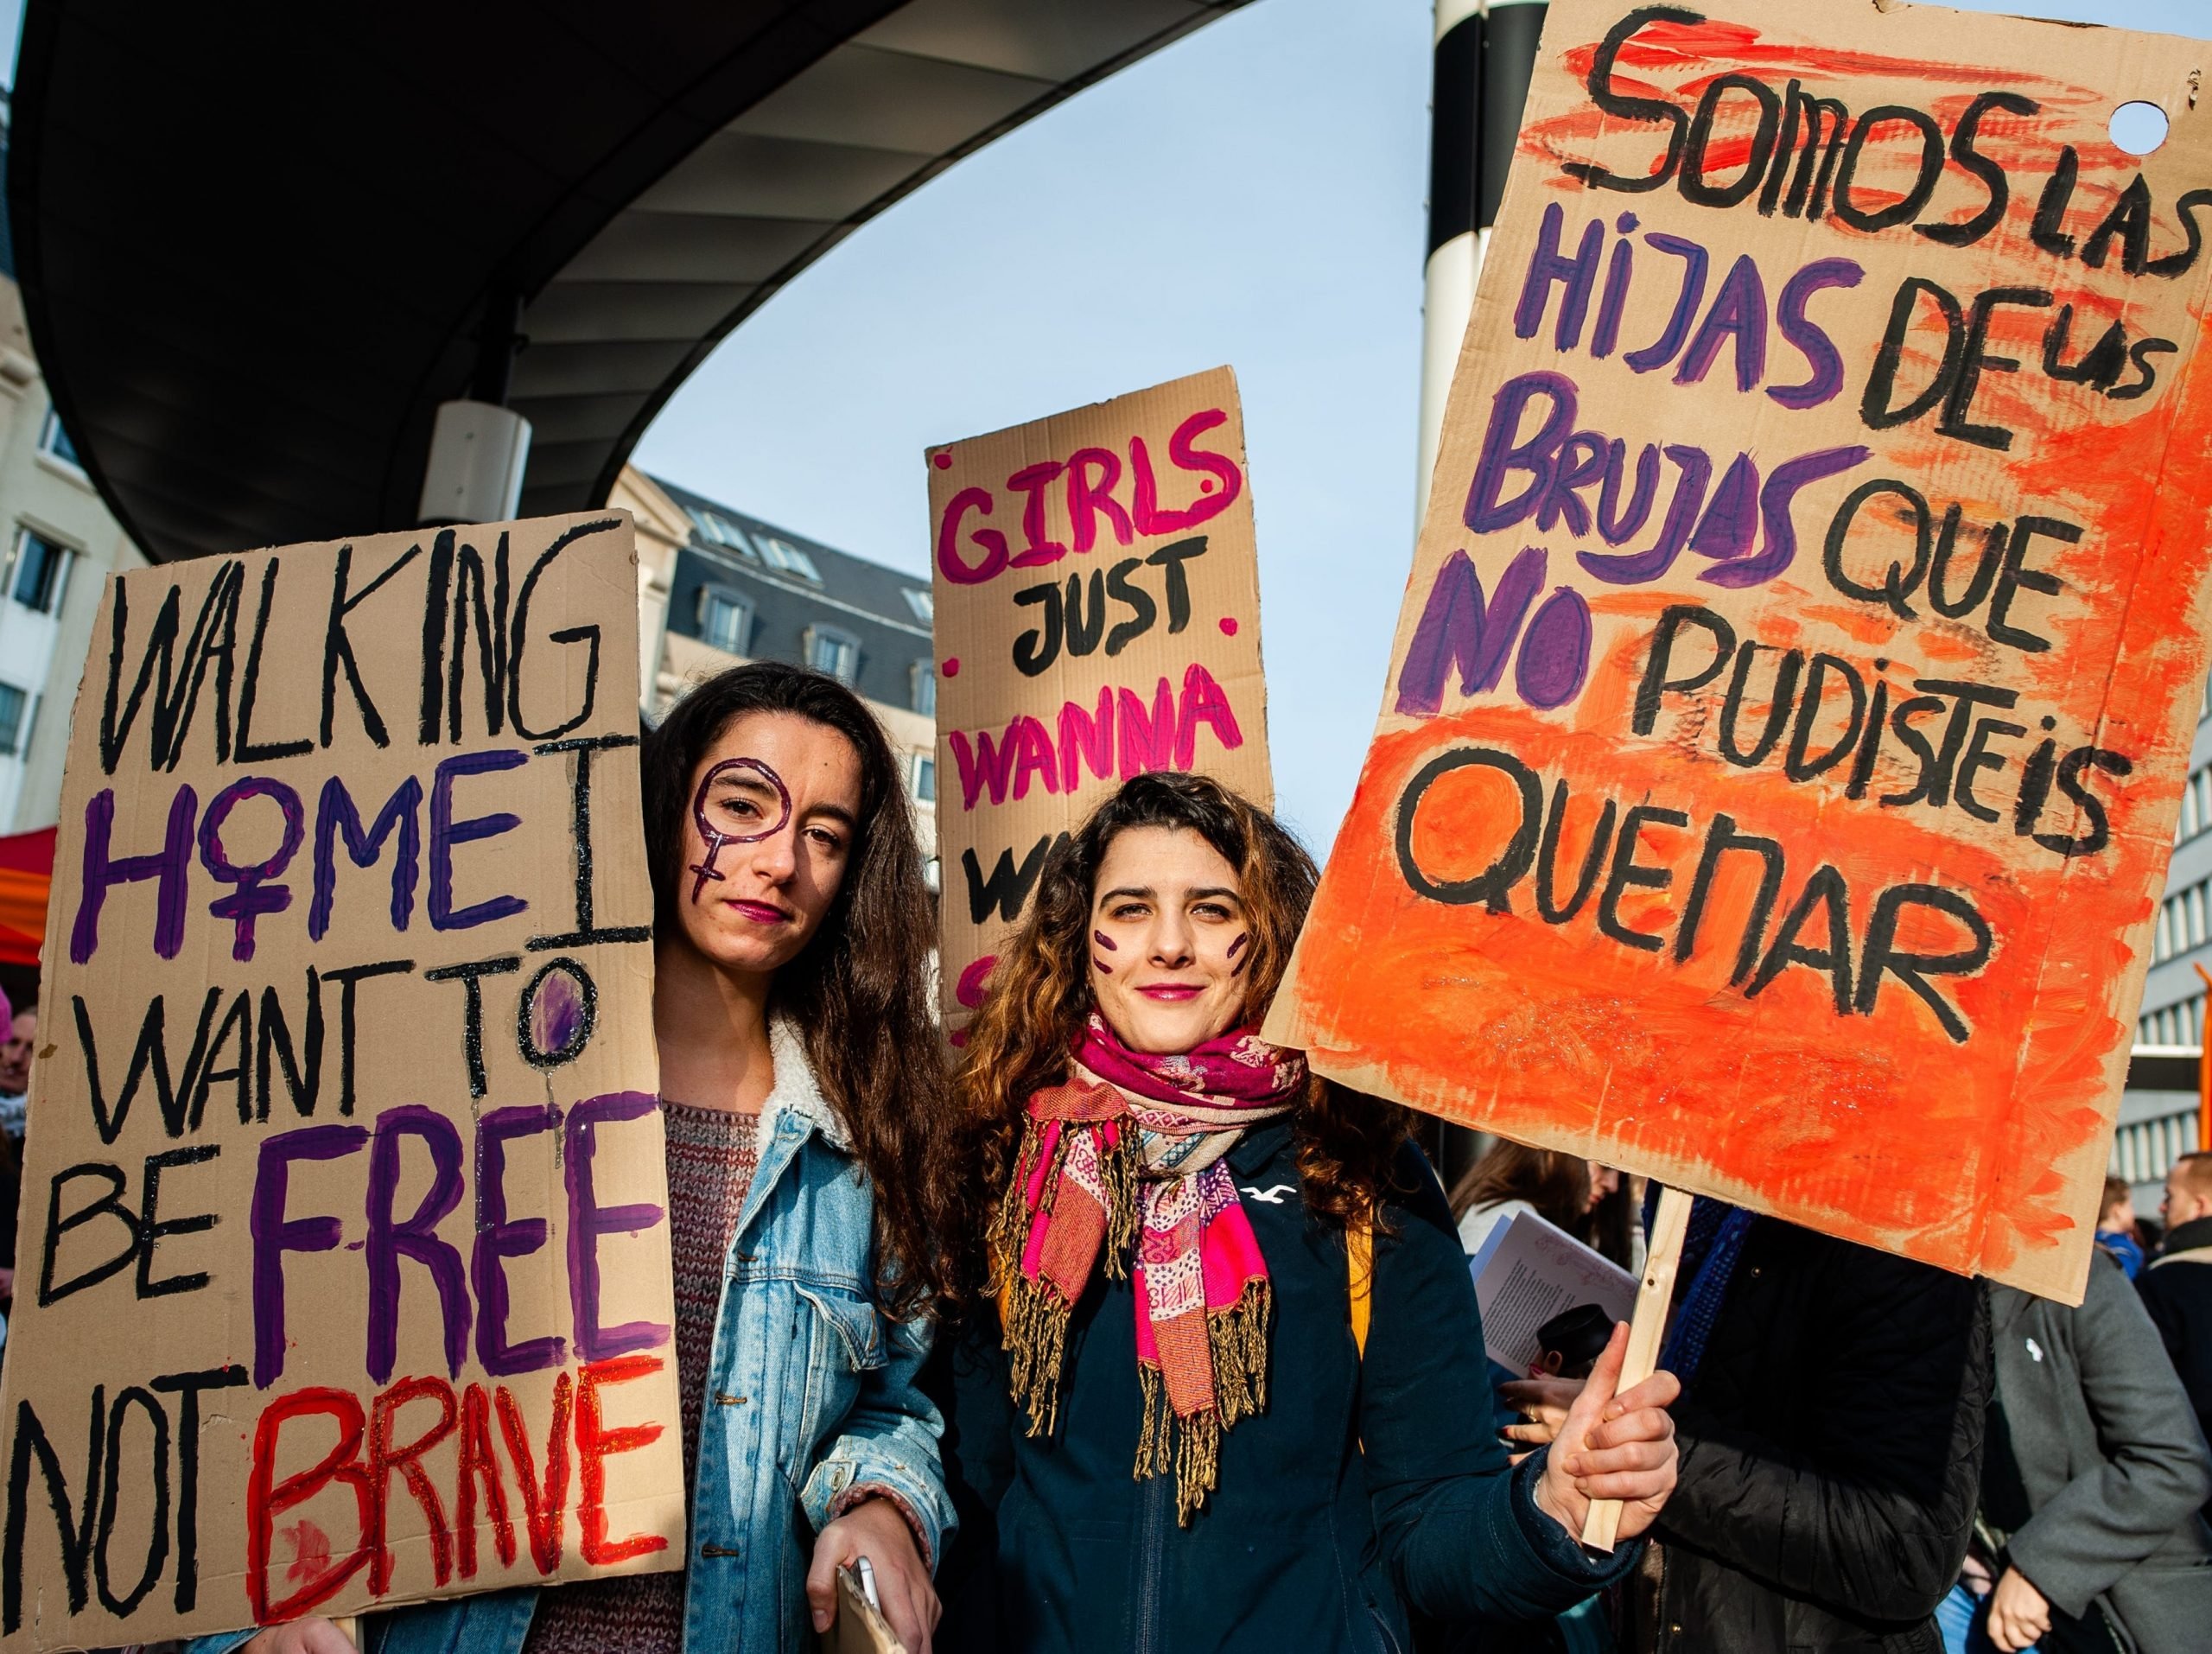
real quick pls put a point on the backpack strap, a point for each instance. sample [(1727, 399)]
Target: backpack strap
[(1359, 1258)]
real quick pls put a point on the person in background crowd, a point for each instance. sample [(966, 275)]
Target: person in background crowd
[(1204, 1417), (21, 1027), (1563, 1189), (807, 1115), (2177, 1286), (15, 1078), (1566, 1192), (2089, 1495), (2116, 1231), (1831, 1435)]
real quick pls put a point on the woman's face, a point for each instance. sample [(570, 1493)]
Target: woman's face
[(1169, 939), (769, 830), (1604, 1179)]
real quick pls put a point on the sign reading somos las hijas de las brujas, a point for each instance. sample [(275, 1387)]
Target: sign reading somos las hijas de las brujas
[(343, 1274), (1786, 723)]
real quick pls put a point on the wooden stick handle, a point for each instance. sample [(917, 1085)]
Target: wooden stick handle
[(350, 1626), (1644, 1330)]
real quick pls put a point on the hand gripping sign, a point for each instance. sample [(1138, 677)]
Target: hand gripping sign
[(343, 1273), (1097, 615), (1786, 723)]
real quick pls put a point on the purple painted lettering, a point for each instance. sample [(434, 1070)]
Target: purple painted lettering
[(416, 1236), (446, 832), (1781, 544), (1458, 624), (254, 894), (335, 814), (588, 1220), (499, 1237), (1808, 336), (171, 865), (274, 1234), (1486, 511)]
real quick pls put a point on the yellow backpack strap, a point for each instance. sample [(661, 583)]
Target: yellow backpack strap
[(1359, 1257)]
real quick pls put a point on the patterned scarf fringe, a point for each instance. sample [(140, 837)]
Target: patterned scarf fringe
[(1237, 1339), (1032, 1315)]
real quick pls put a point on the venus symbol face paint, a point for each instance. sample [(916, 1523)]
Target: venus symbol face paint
[(712, 837)]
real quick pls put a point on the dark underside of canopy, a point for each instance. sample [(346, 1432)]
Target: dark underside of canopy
[(260, 243)]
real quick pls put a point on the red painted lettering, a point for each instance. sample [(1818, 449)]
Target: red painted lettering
[(480, 1465), (267, 1499), (545, 1509), (595, 1444)]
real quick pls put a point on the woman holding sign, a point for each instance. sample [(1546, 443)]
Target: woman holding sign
[(1239, 1281), (802, 1097)]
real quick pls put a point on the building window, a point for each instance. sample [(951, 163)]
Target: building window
[(924, 779), (918, 600), (725, 620), (830, 650), (41, 571), (12, 702), (786, 558), (718, 530), (53, 440), (923, 675)]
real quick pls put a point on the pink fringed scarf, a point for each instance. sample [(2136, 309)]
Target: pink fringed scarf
[(1129, 1152)]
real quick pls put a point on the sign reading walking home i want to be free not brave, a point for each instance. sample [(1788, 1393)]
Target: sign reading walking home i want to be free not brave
[(342, 1277), (1785, 727)]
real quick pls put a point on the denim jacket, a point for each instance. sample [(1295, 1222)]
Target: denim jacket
[(810, 1394)]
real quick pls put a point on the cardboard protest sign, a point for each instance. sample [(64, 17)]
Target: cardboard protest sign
[(342, 1276), (1786, 718), (1097, 605)]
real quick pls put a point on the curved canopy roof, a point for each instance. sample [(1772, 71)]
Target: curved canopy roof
[(259, 243)]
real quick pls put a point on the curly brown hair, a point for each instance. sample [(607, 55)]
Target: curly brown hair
[(859, 994), (1038, 995)]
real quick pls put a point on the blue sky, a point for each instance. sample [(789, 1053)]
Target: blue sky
[(1255, 195)]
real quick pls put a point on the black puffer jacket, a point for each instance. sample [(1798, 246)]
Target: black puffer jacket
[(1831, 1453)]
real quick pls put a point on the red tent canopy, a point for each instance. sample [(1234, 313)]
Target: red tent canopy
[(26, 875)]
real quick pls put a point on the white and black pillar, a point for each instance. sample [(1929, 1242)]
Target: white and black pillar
[(1485, 56)]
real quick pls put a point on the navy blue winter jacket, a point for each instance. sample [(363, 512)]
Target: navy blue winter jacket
[(1365, 1489)]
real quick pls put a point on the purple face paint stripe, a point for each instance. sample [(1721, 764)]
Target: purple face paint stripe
[(415, 1236), (588, 1220), (499, 1238), (712, 837), (1105, 941), (1237, 946), (274, 1234)]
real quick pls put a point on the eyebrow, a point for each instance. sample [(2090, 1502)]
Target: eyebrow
[(749, 784), (1146, 893)]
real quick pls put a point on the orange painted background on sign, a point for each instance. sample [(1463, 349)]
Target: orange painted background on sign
[(1599, 889)]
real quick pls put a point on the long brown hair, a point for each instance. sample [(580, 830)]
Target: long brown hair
[(1038, 995), (1556, 1185), (859, 993)]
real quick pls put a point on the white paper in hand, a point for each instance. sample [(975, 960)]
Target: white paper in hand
[(1529, 1270)]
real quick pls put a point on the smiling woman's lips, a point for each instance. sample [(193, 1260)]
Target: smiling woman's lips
[(761, 912), (1170, 991)]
